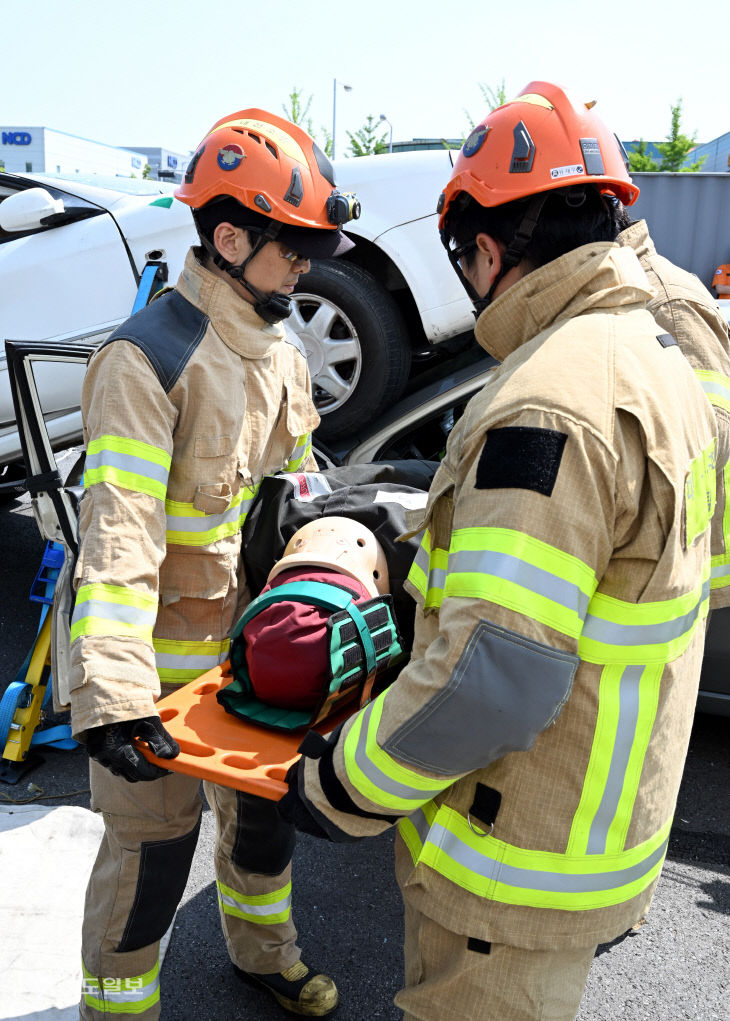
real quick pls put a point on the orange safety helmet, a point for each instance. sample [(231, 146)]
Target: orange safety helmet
[(339, 543), (540, 141), (271, 167)]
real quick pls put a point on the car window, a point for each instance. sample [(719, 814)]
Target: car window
[(76, 207), (424, 441)]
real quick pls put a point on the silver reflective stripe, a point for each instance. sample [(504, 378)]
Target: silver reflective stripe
[(122, 613), (714, 386), (377, 778), (625, 731), (421, 559), (510, 568), (168, 661), (721, 571), (299, 451), (274, 908), (209, 521), (127, 463), (494, 870), (420, 823), (611, 633), (110, 991)]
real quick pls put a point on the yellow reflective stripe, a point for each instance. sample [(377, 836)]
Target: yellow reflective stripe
[(428, 571), (260, 909), (521, 573), (188, 526), (102, 609), (700, 491), (622, 633), (300, 453), (721, 562), (180, 662), (497, 871), (628, 697), (129, 464), (377, 776), (716, 388), (112, 995)]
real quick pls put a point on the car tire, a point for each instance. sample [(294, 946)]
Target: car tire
[(356, 344)]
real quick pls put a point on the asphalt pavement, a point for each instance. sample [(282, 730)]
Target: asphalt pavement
[(347, 906)]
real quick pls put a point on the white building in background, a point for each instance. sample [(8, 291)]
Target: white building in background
[(40, 150), (43, 150)]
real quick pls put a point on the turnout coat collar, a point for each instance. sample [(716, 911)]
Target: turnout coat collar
[(601, 276)]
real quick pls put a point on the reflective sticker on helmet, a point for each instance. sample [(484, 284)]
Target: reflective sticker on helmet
[(475, 140), (289, 146), (575, 170), (534, 99), (230, 157), (190, 172)]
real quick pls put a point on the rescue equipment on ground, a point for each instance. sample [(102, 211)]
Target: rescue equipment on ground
[(721, 281)]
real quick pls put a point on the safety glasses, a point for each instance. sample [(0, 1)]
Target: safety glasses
[(458, 252), (291, 256)]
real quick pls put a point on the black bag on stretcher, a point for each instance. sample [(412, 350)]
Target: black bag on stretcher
[(330, 622)]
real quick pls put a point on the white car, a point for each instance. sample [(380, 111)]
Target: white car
[(73, 250)]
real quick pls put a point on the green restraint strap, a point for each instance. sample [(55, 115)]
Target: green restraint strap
[(316, 593)]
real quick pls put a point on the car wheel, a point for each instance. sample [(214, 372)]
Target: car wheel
[(356, 343)]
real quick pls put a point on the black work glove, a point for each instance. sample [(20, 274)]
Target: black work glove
[(113, 747), (293, 810)]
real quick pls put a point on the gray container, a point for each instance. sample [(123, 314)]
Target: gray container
[(688, 217)]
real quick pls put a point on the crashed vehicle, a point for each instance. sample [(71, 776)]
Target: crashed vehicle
[(75, 250)]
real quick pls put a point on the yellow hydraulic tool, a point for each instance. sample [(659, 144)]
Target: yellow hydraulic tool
[(27, 697)]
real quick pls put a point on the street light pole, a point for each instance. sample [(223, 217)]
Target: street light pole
[(347, 88), (390, 142)]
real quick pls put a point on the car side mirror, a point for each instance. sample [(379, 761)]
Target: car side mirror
[(29, 210)]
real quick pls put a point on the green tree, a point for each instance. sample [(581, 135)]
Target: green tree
[(366, 142), (677, 146), (673, 151), (146, 172), (298, 113), (492, 97), (639, 161)]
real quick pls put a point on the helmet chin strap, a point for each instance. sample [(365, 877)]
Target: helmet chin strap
[(272, 307)]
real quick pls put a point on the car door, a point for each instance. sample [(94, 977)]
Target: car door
[(72, 277)]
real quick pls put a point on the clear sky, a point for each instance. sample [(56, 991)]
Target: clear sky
[(136, 72)]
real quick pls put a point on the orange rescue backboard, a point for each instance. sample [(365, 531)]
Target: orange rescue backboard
[(219, 747)]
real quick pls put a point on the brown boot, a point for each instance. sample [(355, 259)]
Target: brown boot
[(298, 989)]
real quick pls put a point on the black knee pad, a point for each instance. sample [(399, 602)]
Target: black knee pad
[(264, 841), (163, 872)]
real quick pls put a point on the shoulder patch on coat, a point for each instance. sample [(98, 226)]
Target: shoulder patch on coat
[(167, 331), (521, 457), (667, 340)]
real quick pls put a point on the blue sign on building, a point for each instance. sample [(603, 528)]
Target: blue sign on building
[(172, 162), (16, 138)]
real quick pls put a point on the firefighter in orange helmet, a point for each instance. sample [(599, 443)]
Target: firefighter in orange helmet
[(186, 407), (532, 749)]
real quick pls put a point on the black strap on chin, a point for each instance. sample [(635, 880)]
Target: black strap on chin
[(516, 248), (273, 307)]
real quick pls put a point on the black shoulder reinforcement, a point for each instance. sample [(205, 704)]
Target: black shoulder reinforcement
[(167, 331), (521, 457)]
